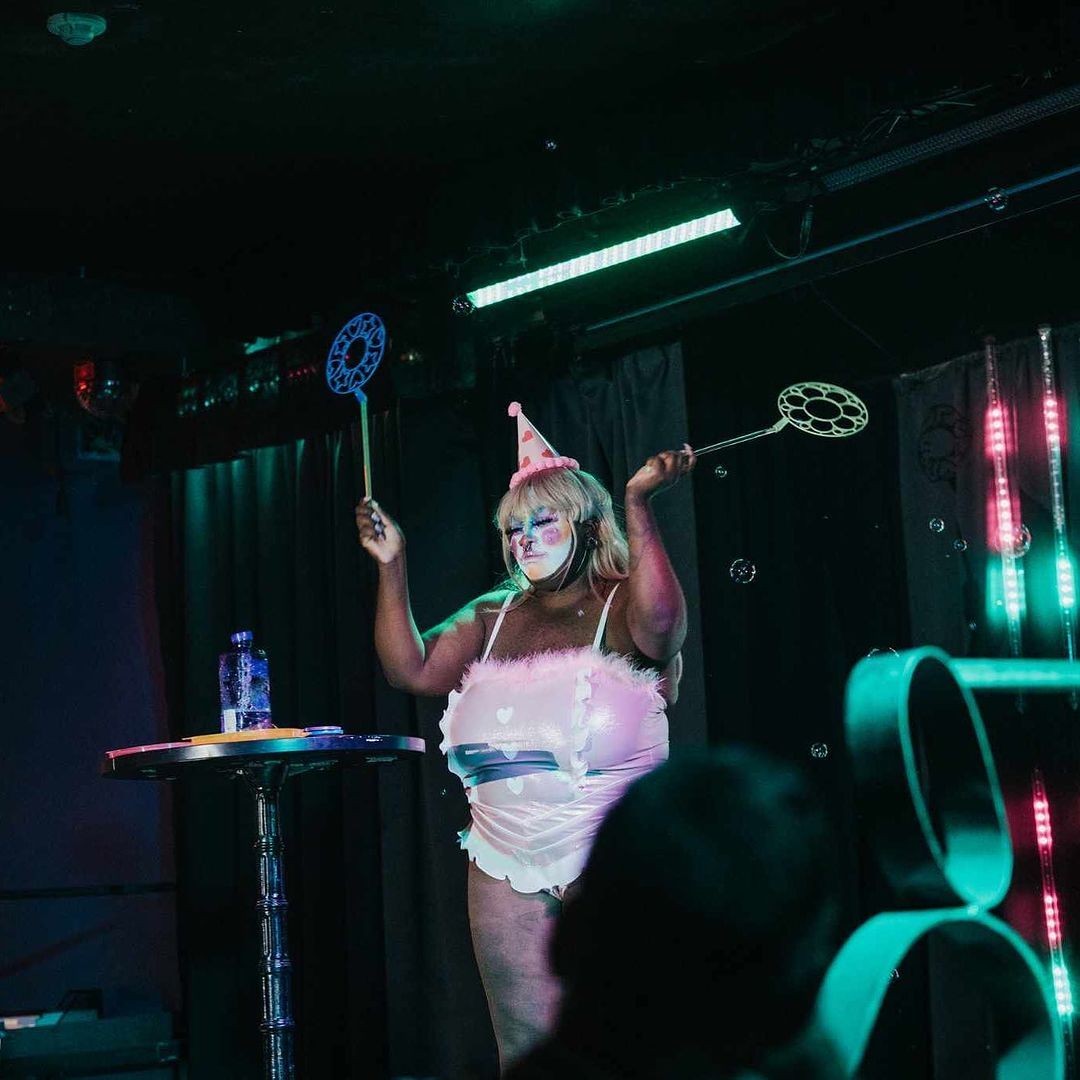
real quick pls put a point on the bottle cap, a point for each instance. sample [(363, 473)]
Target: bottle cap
[(241, 637)]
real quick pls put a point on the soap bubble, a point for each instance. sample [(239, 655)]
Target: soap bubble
[(819, 750), (895, 974), (1021, 542), (720, 472), (550, 145), (937, 525), (882, 652), (462, 305), (960, 544), (742, 571)]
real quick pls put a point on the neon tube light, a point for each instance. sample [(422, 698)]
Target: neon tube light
[(604, 258), (1005, 532), (1052, 421), (1044, 837)]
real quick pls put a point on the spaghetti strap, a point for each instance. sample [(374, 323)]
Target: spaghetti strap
[(602, 625), (498, 623)]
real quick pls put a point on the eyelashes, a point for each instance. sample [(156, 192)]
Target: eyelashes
[(515, 530)]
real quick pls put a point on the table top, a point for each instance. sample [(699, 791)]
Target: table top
[(171, 761)]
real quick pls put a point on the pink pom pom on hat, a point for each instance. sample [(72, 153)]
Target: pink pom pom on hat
[(535, 453)]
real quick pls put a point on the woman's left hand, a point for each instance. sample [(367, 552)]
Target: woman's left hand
[(661, 471)]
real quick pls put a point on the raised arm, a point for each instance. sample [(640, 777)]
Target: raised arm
[(431, 663), (656, 611)]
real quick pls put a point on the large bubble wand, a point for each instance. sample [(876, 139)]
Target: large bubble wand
[(352, 360), (811, 407)]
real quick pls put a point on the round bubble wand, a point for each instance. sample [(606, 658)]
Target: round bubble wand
[(352, 360), (812, 407)]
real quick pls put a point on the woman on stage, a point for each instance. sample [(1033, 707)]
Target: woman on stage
[(557, 687)]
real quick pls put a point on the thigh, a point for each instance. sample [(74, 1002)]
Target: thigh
[(511, 934)]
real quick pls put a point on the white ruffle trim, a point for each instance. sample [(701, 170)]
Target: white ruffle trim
[(579, 726), (444, 723), (542, 665), (522, 878)]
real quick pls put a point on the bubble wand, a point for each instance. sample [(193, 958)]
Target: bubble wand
[(346, 373), (811, 407)]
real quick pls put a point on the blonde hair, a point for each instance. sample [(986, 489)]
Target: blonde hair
[(582, 498)]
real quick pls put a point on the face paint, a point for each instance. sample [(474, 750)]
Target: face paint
[(541, 544)]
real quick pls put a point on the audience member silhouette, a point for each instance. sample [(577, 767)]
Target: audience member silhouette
[(705, 920)]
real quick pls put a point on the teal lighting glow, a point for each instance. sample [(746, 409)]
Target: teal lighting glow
[(604, 258), (261, 343), (1062, 990), (1066, 586)]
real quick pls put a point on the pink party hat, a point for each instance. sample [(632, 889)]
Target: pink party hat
[(535, 453)]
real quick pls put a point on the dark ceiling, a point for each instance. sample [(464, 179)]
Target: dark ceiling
[(266, 160)]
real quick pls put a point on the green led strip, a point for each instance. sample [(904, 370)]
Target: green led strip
[(604, 258)]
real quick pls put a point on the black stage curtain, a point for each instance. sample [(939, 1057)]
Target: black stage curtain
[(819, 520), (385, 983)]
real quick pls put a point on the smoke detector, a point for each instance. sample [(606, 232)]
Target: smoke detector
[(75, 29)]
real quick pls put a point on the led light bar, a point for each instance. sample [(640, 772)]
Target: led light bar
[(604, 258), (1052, 423), (1044, 837), (1006, 523)]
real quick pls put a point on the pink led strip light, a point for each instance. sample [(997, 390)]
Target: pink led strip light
[(1005, 533), (1044, 837)]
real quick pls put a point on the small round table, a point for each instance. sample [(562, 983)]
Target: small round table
[(264, 764)]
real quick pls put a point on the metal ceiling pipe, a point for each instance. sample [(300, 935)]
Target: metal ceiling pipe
[(957, 138), (996, 200)]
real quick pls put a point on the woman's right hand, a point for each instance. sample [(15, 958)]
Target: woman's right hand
[(379, 535)]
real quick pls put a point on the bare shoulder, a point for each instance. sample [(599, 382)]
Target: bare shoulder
[(473, 615), (486, 608)]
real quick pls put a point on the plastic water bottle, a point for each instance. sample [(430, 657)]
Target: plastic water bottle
[(244, 678)]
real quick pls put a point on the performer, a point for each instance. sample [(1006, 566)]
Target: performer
[(557, 686)]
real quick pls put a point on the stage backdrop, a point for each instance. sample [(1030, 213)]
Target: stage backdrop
[(385, 980), (386, 984)]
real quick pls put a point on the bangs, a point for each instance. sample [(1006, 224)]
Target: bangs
[(557, 489)]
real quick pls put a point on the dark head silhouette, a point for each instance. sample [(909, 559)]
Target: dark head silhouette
[(704, 923)]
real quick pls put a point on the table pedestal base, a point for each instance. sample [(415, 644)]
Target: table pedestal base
[(275, 968)]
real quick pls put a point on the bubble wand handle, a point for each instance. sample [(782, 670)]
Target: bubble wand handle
[(365, 443), (778, 426)]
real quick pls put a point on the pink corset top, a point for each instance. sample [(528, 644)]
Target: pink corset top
[(544, 745)]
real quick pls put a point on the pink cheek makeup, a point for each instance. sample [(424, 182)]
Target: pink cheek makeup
[(550, 535)]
